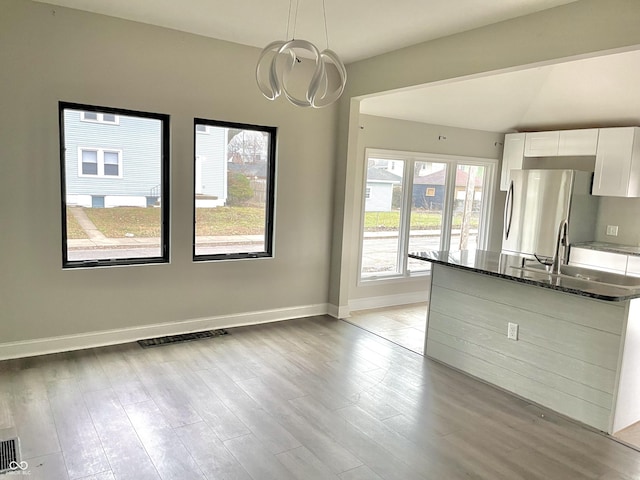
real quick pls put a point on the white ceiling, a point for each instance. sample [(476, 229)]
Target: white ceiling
[(600, 91), (593, 92), (357, 29)]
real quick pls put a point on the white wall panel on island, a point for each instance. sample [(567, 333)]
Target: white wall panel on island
[(568, 353)]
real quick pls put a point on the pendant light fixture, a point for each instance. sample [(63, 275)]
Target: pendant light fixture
[(281, 60)]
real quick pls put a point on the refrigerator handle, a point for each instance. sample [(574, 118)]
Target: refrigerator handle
[(508, 212)]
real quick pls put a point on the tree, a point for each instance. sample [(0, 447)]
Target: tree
[(248, 145), (239, 189)]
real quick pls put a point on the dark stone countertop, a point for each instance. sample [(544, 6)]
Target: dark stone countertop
[(610, 247), (509, 267)]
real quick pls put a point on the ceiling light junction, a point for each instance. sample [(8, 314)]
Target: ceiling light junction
[(278, 63)]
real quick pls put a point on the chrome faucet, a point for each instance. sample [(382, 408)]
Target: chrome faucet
[(561, 242)]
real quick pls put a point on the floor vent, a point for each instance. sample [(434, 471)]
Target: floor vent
[(9, 455), (185, 337)]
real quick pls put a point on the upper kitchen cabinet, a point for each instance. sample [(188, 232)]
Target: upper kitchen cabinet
[(562, 143), (582, 142), (541, 144), (512, 157), (618, 163)]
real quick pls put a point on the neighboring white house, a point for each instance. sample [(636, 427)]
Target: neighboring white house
[(211, 166), (379, 189)]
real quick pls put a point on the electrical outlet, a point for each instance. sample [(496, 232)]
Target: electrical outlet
[(512, 331), (612, 230)]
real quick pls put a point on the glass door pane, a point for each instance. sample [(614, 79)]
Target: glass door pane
[(467, 207), (382, 217), (427, 204)]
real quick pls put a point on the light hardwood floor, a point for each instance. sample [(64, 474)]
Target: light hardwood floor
[(307, 399), (630, 435), (404, 325)]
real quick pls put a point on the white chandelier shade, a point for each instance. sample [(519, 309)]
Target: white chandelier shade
[(278, 61)]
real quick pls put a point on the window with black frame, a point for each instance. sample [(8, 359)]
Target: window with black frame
[(234, 180), (115, 185)]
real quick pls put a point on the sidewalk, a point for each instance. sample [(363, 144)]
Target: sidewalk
[(100, 241)]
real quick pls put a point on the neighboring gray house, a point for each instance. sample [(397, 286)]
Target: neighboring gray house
[(111, 160), (379, 189), (115, 160)]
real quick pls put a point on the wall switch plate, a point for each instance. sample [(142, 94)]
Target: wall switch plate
[(512, 331), (612, 230)]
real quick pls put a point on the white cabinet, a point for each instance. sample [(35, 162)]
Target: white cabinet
[(541, 144), (512, 157), (633, 266), (582, 142), (599, 260), (562, 143), (618, 163)]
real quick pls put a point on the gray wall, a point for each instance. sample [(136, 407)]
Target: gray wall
[(49, 54), (624, 212), (579, 28)]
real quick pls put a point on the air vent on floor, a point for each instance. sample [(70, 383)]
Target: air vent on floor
[(185, 337), (9, 455)]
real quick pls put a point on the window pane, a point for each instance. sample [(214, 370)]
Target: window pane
[(89, 156), (89, 162), (107, 117), (467, 207), (428, 195), (233, 180), (90, 116), (89, 168), (382, 217), (116, 219), (111, 169)]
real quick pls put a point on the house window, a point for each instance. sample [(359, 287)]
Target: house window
[(427, 203), (98, 162), (94, 181), (234, 180), (100, 117)]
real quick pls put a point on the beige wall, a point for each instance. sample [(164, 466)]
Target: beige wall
[(49, 54), (393, 134), (575, 29)]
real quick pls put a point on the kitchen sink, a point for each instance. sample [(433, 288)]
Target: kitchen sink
[(582, 273)]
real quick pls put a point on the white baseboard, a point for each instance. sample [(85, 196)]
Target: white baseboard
[(42, 346), (339, 312), (387, 301)]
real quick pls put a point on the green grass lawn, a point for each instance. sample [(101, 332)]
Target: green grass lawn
[(74, 230), (145, 222), (420, 220), (120, 221), (230, 221)]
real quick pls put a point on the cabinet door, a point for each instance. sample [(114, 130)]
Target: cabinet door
[(605, 261), (541, 144), (633, 266), (512, 157), (578, 142), (613, 161)]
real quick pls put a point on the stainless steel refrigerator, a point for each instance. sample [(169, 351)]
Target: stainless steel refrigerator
[(539, 202)]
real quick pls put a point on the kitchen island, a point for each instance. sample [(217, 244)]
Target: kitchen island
[(577, 350)]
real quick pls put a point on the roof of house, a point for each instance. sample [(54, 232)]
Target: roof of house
[(438, 178), (381, 175)]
